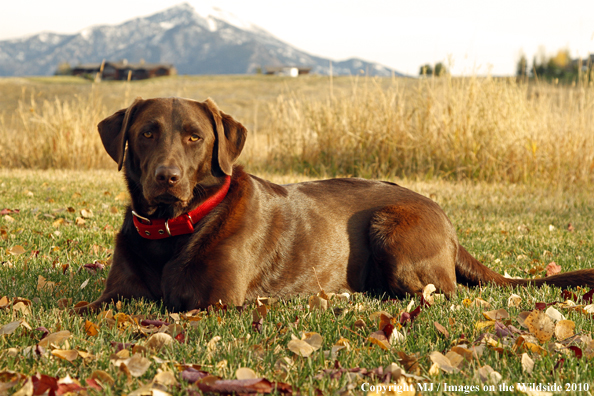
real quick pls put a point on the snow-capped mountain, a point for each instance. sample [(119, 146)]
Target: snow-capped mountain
[(203, 41)]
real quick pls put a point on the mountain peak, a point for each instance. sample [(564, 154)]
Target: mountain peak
[(202, 40)]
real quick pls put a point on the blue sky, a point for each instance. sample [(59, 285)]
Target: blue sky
[(473, 36)]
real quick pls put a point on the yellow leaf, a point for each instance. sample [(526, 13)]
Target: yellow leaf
[(540, 325), (564, 329), (91, 328), (497, 314), (70, 354), (482, 325), (165, 378), (16, 250)]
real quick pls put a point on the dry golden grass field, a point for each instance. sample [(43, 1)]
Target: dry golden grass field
[(461, 129)]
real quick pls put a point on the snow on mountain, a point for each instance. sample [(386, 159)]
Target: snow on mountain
[(197, 41)]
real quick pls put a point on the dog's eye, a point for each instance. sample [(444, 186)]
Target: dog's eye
[(194, 138), (148, 135)]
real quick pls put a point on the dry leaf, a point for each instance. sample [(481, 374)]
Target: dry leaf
[(527, 363), (137, 365), (553, 269), (44, 284), (540, 325), (26, 390), (514, 301), (300, 347), (379, 338), (313, 339), (522, 318), (316, 302), (16, 250), (159, 340), (455, 359), (22, 308), (70, 354), (166, 378), (441, 329), (55, 338), (91, 328), (428, 293), (564, 329), (212, 344), (103, 377), (86, 214), (10, 327), (554, 314), (497, 314), (243, 373), (487, 374), (442, 362)]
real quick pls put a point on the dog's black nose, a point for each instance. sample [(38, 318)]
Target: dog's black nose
[(167, 175)]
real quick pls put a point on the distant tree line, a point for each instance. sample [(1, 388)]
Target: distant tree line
[(560, 68), (438, 70)]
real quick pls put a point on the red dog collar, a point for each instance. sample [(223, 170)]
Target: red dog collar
[(184, 224)]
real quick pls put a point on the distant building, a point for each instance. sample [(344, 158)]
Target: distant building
[(586, 63), (123, 70), (292, 71)]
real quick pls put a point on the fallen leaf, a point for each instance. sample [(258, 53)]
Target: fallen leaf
[(10, 327), (514, 301), (313, 339), (554, 314), (497, 314), (103, 376), (316, 302), (527, 363), (442, 362), (16, 250), (553, 269), (540, 325), (138, 365), (69, 354), (86, 214), (160, 340), (244, 373), (26, 390), (91, 328), (379, 338), (54, 338), (166, 378), (300, 347), (564, 329), (428, 293), (441, 329)]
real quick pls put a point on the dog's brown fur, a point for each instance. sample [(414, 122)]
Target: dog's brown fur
[(266, 239)]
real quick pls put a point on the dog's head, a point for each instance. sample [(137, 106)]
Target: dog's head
[(175, 150)]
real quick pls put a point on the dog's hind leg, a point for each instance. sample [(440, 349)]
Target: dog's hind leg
[(413, 244)]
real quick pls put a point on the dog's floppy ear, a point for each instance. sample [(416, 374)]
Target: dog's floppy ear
[(231, 137), (114, 132)]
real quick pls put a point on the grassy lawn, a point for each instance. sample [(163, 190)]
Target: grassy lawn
[(67, 219)]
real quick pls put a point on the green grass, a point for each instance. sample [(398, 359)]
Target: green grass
[(487, 217)]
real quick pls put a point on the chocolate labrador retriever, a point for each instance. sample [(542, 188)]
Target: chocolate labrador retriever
[(200, 230)]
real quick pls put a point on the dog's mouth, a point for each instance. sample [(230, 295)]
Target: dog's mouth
[(166, 205), (166, 199)]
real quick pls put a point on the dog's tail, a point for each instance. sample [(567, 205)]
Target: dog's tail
[(471, 272)]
